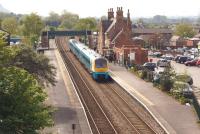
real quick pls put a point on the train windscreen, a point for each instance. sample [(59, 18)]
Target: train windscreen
[(101, 63)]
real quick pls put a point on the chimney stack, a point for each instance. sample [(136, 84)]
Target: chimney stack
[(119, 13), (110, 13)]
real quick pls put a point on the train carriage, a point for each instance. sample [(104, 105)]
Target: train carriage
[(95, 63)]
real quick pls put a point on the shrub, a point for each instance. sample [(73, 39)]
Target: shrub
[(166, 81), (166, 84)]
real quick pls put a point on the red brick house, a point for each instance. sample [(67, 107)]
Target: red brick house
[(115, 37)]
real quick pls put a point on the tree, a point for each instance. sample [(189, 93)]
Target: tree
[(53, 20), (198, 20), (68, 20), (166, 79), (184, 30), (6, 54), (21, 103), (36, 64), (10, 25), (32, 25), (23, 56), (21, 96), (86, 23)]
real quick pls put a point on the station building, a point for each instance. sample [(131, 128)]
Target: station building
[(115, 39)]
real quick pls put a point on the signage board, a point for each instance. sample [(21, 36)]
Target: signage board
[(132, 56)]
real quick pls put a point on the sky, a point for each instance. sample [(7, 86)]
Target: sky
[(98, 8)]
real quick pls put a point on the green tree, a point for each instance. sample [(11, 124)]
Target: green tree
[(23, 56), (184, 30), (36, 64), (68, 20), (6, 54), (10, 25), (53, 20), (166, 79), (86, 23), (32, 25), (21, 103)]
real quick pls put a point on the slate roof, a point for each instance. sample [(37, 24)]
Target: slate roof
[(106, 24), (151, 31)]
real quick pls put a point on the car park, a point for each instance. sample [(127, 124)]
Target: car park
[(150, 66), (191, 63)]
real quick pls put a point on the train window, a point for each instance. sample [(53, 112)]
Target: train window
[(101, 63)]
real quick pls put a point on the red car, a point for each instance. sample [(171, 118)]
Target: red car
[(191, 62), (198, 62)]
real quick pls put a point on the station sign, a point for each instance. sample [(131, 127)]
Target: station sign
[(132, 56)]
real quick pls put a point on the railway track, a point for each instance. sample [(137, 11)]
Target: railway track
[(135, 115), (100, 124), (109, 109)]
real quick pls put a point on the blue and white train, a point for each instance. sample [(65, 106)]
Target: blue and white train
[(94, 62)]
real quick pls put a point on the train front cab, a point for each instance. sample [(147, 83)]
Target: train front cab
[(100, 69)]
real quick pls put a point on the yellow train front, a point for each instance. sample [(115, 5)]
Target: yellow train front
[(99, 69), (94, 62)]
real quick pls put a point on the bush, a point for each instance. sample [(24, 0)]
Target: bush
[(166, 84), (166, 81), (142, 74)]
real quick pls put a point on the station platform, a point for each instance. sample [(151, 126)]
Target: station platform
[(64, 99), (174, 117)]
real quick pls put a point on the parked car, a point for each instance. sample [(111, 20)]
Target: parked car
[(182, 88), (177, 58), (198, 62), (157, 54), (183, 59), (191, 63), (150, 53), (163, 63), (150, 66), (157, 74), (167, 57), (184, 78)]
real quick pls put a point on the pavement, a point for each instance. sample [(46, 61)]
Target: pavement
[(174, 117), (65, 100)]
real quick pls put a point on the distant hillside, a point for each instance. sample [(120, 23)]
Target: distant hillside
[(2, 9)]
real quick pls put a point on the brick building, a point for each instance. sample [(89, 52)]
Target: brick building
[(115, 39), (154, 37)]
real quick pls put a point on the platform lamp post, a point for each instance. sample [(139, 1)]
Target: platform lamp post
[(73, 128)]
